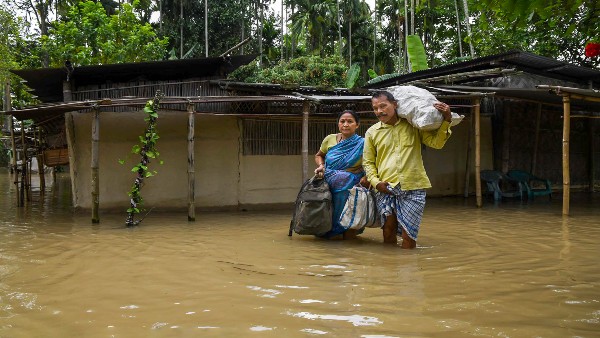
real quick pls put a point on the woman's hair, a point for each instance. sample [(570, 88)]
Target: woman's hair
[(351, 112), (380, 93)]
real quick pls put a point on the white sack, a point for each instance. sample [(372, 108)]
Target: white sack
[(416, 105)]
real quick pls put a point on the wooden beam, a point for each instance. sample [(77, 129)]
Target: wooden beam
[(95, 166), (305, 113), (8, 107), (565, 154), (190, 170), (67, 93), (476, 112)]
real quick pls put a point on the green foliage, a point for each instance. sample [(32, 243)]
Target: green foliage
[(372, 74), (303, 71), (147, 150), (352, 75), (87, 36), (416, 53)]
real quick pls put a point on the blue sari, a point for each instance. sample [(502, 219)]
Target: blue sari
[(339, 158)]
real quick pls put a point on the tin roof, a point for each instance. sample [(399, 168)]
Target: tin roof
[(518, 60), (47, 83)]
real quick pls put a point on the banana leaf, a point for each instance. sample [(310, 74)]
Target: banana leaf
[(416, 53)]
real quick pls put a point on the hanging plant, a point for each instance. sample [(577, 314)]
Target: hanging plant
[(147, 150)]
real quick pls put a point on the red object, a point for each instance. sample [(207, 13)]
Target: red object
[(592, 49)]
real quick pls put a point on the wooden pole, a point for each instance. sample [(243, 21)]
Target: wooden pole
[(191, 171), (40, 161), (565, 154), (95, 166), (536, 141), (70, 131), (476, 105), (23, 165), (67, 93), (305, 112)]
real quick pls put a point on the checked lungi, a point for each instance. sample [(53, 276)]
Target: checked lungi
[(408, 205)]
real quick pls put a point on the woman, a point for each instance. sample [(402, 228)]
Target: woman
[(340, 160)]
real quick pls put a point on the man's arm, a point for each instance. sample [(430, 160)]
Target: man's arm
[(436, 138), (369, 155)]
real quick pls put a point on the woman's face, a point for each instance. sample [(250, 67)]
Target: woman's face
[(347, 125)]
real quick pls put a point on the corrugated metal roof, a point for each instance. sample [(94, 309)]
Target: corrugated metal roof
[(522, 61), (47, 83)]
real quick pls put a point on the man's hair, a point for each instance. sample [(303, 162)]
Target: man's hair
[(351, 112), (380, 93)]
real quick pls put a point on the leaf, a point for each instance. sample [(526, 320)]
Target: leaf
[(416, 53), (372, 74), (352, 75), (121, 161)]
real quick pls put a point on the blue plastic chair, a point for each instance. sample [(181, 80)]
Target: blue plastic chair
[(500, 185), (531, 184)]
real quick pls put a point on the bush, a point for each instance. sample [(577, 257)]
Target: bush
[(304, 71)]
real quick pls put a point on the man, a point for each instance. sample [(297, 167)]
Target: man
[(394, 166)]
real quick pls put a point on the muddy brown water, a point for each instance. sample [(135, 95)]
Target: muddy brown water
[(507, 270)]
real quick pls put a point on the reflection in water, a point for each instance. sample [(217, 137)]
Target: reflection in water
[(510, 270)]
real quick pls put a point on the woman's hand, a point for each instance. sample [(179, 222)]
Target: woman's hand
[(320, 171), (365, 183)]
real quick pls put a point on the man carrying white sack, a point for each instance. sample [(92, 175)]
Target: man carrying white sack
[(393, 164)]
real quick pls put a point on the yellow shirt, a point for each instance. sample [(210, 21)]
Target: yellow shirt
[(331, 140), (393, 153)]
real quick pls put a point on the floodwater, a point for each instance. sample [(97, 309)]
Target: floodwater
[(506, 270)]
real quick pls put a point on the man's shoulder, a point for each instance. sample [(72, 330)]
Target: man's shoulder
[(373, 128)]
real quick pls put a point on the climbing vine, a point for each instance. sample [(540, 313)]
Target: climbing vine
[(147, 150)]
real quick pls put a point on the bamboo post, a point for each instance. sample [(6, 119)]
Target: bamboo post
[(506, 138), (536, 141), (40, 161), (305, 112), (94, 165), (23, 165), (469, 150), (70, 131), (476, 106), (565, 154), (191, 172)]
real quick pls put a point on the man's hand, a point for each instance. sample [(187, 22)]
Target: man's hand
[(444, 109), (382, 187)]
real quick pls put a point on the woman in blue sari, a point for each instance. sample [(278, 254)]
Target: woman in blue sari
[(340, 160)]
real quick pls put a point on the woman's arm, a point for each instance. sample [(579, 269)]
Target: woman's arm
[(320, 162)]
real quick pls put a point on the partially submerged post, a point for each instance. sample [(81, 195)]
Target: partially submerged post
[(565, 154), (477, 108), (305, 112), (191, 171), (94, 165)]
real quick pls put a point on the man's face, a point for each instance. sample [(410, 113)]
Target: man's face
[(385, 110)]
